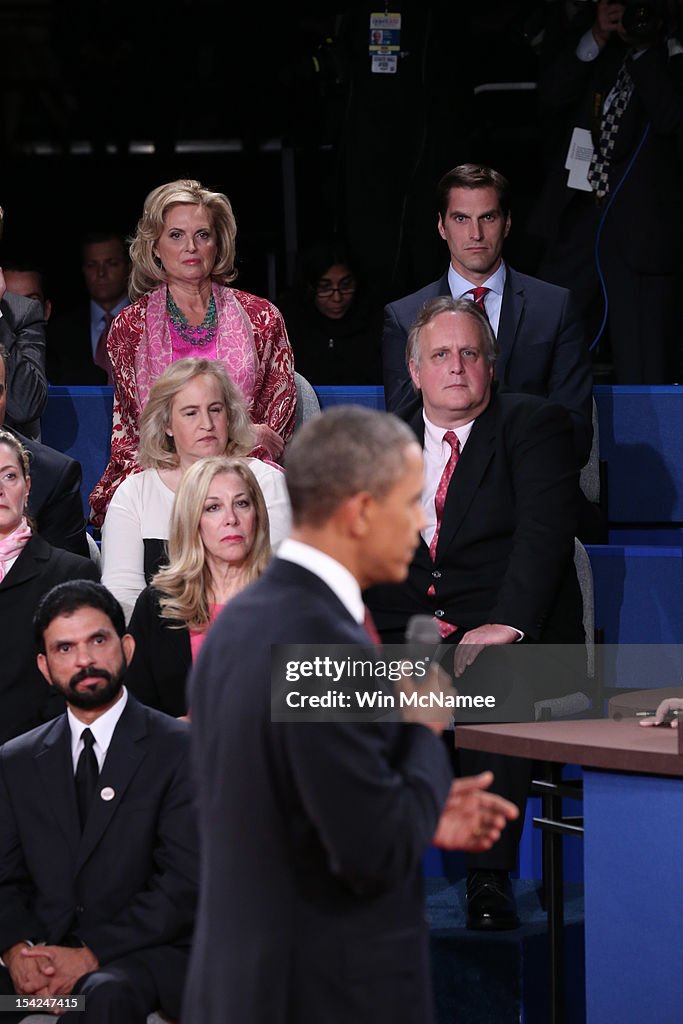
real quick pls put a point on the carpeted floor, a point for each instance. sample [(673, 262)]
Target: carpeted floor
[(502, 977)]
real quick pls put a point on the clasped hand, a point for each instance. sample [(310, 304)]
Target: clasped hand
[(49, 970)]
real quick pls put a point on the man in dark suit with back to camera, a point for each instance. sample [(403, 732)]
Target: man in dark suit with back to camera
[(54, 503), (541, 344), (312, 834), (495, 560), (98, 858)]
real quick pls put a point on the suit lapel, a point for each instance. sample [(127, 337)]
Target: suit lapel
[(125, 754), (29, 564), (55, 768), (444, 287), (511, 311), (467, 477)]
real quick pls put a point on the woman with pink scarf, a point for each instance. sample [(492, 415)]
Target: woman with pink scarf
[(182, 262), (29, 567)]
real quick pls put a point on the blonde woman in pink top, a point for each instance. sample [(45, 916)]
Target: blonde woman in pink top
[(218, 543), (183, 265)]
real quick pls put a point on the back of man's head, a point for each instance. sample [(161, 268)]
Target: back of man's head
[(67, 598), (341, 452)]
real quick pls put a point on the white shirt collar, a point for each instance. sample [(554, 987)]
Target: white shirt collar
[(337, 577), (102, 729), (460, 285), (434, 435)]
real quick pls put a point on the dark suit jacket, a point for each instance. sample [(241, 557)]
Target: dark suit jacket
[(506, 544), (69, 350), (542, 349), (127, 884), (163, 657), (25, 698), (312, 834), (54, 502), (22, 332)]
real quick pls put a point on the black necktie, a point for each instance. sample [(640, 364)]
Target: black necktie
[(87, 772)]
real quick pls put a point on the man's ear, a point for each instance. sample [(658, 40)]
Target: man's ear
[(441, 228), (44, 670), (356, 513), (128, 645), (508, 225), (414, 373)]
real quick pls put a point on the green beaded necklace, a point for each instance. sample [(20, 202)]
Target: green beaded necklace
[(201, 334)]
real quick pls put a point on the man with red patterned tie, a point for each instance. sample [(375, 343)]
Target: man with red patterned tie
[(495, 562), (314, 912), (541, 344)]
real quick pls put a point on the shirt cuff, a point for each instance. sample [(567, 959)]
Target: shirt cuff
[(26, 941)]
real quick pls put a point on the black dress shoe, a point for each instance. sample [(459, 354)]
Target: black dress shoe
[(490, 901)]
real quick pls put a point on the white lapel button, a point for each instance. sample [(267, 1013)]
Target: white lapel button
[(107, 793)]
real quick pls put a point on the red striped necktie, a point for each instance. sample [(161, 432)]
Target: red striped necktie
[(478, 295), (445, 628), (101, 357), (442, 490)]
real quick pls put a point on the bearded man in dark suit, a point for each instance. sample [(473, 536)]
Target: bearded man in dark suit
[(541, 346), (495, 562), (98, 858)]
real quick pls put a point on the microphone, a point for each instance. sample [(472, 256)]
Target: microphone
[(422, 629)]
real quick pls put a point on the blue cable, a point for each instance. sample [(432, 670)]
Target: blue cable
[(612, 197)]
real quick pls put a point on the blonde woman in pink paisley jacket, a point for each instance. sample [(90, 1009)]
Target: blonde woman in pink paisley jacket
[(182, 262)]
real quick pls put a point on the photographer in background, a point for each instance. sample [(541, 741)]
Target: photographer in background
[(616, 71)]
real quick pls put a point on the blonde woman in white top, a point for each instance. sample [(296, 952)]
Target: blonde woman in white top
[(193, 411)]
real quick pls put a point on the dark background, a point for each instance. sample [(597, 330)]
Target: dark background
[(101, 102)]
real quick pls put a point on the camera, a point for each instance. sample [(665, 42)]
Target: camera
[(641, 21)]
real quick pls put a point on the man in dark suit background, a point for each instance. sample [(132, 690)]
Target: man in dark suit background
[(496, 565), (98, 860), (27, 278), (54, 503), (22, 333), (73, 355), (312, 833), (541, 344)]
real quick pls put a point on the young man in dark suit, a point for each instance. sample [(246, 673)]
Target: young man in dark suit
[(541, 344), (98, 859), (312, 833), (495, 561)]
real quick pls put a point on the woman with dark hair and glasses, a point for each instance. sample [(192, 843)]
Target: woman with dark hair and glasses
[(333, 324)]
